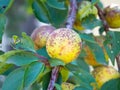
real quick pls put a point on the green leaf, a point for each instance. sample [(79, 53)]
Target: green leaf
[(43, 52), (45, 81), (58, 17), (59, 79), (40, 12), (4, 67), (14, 80), (101, 30), (85, 9), (91, 22), (5, 5), (2, 25), (83, 65), (6, 55), (82, 77), (81, 88), (55, 62), (48, 14), (41, 76), (1, 52), (113, 84), (97, 51), (56, 4), (112, 44), (64, 73), (94, 1), (32, 72), (87, 37), (58, 87), (18, 57), (25, 42)]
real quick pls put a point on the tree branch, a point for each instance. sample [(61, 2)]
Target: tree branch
[(69, 24), (106, 28), (101, 15), (72, 14), (44, 59), (53, 79)]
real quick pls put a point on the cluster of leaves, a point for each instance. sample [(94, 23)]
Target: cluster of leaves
[(23, 65)]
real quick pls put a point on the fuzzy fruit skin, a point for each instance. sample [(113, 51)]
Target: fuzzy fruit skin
[(112, 16), (67, 86), (40, 35), (103, 74), (64, 44)]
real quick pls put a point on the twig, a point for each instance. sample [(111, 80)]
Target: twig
[(101, 15), (69, 24), (106, 28), (53, 79), (72, 14), (43, 59)]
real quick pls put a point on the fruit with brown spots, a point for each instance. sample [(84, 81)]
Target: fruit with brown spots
[(112, 16), (40, 35), (102, 74), (64, 44)]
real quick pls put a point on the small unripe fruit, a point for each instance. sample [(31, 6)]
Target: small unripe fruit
[(40, 35), (67, 86), (112, 16), (103, 74), (64, 44)]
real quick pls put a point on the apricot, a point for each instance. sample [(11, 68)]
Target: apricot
[(64, 44), (102, 74), (40, 35), (112, 16)]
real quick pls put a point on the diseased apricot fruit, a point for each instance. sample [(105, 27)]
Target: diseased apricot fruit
[(64, 44), (112, 16), (40, 35), (102, 74)]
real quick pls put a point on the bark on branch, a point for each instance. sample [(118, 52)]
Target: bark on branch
[(53, 78), (101, 15), (69, 24), (72, 14), (106, 28)]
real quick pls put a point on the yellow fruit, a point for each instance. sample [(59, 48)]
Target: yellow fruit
[(102, 74), (64, 44), (112, 16), (67, 86), (40, 35)]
